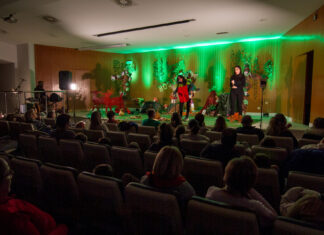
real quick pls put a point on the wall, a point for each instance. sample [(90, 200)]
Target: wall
[(8, 52), (7, 83)]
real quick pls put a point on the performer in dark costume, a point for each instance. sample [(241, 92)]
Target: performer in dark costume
[(183, 94), (237, 84)]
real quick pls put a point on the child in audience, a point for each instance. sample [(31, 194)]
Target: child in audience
[(103, 169), (248, 129), (176, 120), (201, 121), (179, 131), (62, 128), (111, 117), (165, 138), (150, 120), (220, 124), (31, 117), (96, 123), (240, 177), (194, 132)]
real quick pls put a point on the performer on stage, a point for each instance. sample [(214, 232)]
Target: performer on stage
[(237, 84), (183, 94)]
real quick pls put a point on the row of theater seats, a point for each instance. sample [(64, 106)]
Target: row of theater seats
[(104, 203)]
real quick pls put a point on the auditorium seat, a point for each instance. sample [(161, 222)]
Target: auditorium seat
[(49, 150), (152, 212), (117, 138), (289, 226), (267, 185), (250, 139), (202, 173), (206, 216), (60, 191), (148, 130), (277, 155), (149, 158), (27, 181), (213, 135), (26, 127), (71, 154), (192, 147), (112, 126), (14, 129), (76, 130), (304, 141), (101, 200), (95, 154), (126, 160), (94, 135), (6, 157), (4, 128), (306, 180), (284, 142), (143, 140), (50, 122), (28, 145)]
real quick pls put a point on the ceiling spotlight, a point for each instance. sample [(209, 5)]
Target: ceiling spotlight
[(10, 19), (50, 19), (97, 47), (124, 3), (220, 33)]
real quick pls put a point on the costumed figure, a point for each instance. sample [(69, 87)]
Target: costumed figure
[(212, 100), (183, 94), (237, 83), (191, 89)]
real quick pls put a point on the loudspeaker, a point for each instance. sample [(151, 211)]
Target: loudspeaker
[(65, 79)]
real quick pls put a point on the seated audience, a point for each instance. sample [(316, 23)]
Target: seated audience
[(248, 129), (81, 137), (166, 175), (178, 132), (80, 125), (128, 127), (239, 178), (96, 123), (176, 120), (278, 127), (303, 204), (194, 128), (103, 170), (51, 114), (268, 142), (317, 131), (224, 151), (30, 117), (62, 128), (201, 121), (150, 120), (220, 124), (20, 217), (262, 160), (111, 117), (165, 138)]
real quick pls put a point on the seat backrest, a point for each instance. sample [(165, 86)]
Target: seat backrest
[(117, 138), (26, 127), (95, 154), (306, 180), (94, 135), (126, 160), (277, 155), (72, 154), (202, 173), (14, 129), (268, 185), (112, 126), (148, 130), (152, 212), (303, 142), (50, 122), (49, 150), (206, 216), (76, 130), (251, 139), (60, 190), (213, 135), (284, 142), (100, 198), (28, 144), (191, 147), (143, 140), (4, 128), (27, 181), (284, 225), (149, 158)]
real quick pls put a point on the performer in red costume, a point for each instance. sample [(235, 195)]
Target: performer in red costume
[(183, 94)]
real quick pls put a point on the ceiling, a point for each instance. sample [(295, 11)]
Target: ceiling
[(79, 20)]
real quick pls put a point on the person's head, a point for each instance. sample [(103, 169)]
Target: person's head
[(229, 137), (220, 124), (268, 142), (237, 70), (103, 170), (80, 124), (277, 124), (262, 160), (193, 126), (30, 115), (110, 115), (240, 175), (168, 163), (63, 121), (165, 133), (151, 113), (40, 83), (104, 140), (6, 175), (51, 114), (95, 120), (318, 123), (200, 119), (281, 120), (81, 137), (179, 131), (247, 121), (176, 119), (181, 79)]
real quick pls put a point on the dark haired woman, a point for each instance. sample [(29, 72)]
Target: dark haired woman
[(183, 93), (237, 84)]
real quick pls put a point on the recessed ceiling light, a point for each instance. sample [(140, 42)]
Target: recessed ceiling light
[(124, 3), (50, 19), (220, 33)]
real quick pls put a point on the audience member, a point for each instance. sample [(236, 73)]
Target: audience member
[(81, 137), (176, 120), (150, 120), (194, 132), (224, 151), (220, 124), (20, 217), (178, 132), (30, 117), (80, 125), (96, 123), (240, 177), (262, 160), (111, 117), (103, 170), (268, 142), (128, 127), (165, 138), (317, 131), (62, 128), (248, 129), (278, 127), (201, 121)]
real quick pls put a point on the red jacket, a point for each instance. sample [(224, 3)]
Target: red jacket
[(183, 94), (20, 217)]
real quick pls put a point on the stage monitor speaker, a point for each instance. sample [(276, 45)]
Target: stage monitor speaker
[(65, 79)]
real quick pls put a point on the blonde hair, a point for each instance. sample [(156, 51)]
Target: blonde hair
[(168, 163)]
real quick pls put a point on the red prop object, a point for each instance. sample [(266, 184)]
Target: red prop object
[(104, 98), (211, 100)]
